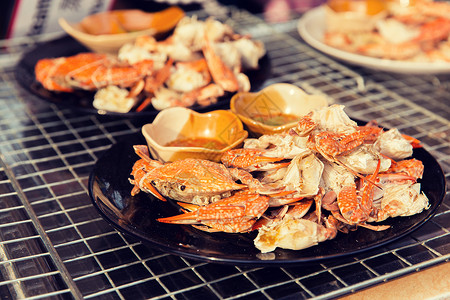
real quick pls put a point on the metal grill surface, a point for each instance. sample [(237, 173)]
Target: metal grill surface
[(54, 244)]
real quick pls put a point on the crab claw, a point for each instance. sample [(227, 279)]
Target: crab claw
[(187, 207), (415, 143), (139, 171), (149, 188), (142, 152), (234, 214)]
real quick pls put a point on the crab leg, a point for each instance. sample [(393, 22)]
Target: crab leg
[(340, 218), (356, 206), (237, 213), (220, 72), (275, 216), (152, 83), (139, 181), (415, 143), (248, 159), (318, 201), (349, 206), (280, 198), (367, 190), (297, 210), (331, 144)]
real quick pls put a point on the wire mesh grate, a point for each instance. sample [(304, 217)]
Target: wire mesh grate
[(53, 243)]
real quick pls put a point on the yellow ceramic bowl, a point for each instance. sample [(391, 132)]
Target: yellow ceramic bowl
[(179, 123), (275, 108), (159, 22)]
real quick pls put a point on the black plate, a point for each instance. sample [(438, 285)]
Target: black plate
[(82, 100), (110, 192)]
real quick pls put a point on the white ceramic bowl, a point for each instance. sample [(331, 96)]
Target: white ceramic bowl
[(273, 101), (182, 123), (165, 20)]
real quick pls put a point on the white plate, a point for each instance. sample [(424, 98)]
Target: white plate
[(311, 28)]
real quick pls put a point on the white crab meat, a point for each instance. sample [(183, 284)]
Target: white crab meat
[(333, 118), (396, 32), (303, 175), (402, 200), (286, 146), (229, 55), (335, 177), (114, 99), (250, 52), (190, 32), (243, 82), (165, 98), (179, 51), (364, 160), (171, 47), (132, 54), (289, 233), (185, 80), (271, 177), (392, 144), (216, 30)]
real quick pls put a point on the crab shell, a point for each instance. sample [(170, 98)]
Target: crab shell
[(193, 181)]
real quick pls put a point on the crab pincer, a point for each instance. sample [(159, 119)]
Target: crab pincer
[(234, 214)]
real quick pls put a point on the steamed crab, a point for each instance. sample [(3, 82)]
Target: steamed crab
[(192, 180), (197, 64), (296, 188), (204, 186)]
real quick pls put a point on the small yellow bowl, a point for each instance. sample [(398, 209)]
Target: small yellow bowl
[(179, 123), (159, 22), (274, 109)]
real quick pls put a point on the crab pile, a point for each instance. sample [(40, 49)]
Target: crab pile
[(419, 32), (197, 64), (296, 188)]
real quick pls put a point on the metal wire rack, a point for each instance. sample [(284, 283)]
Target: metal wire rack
[(54, 244)]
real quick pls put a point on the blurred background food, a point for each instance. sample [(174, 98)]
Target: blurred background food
[(31, 17), (109, 30), (416, 30), (369, 7), (130, 20)]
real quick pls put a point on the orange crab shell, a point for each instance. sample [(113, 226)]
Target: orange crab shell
[(188, 180), (89, 71)]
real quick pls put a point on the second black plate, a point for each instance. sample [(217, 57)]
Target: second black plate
[(82, 100)]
